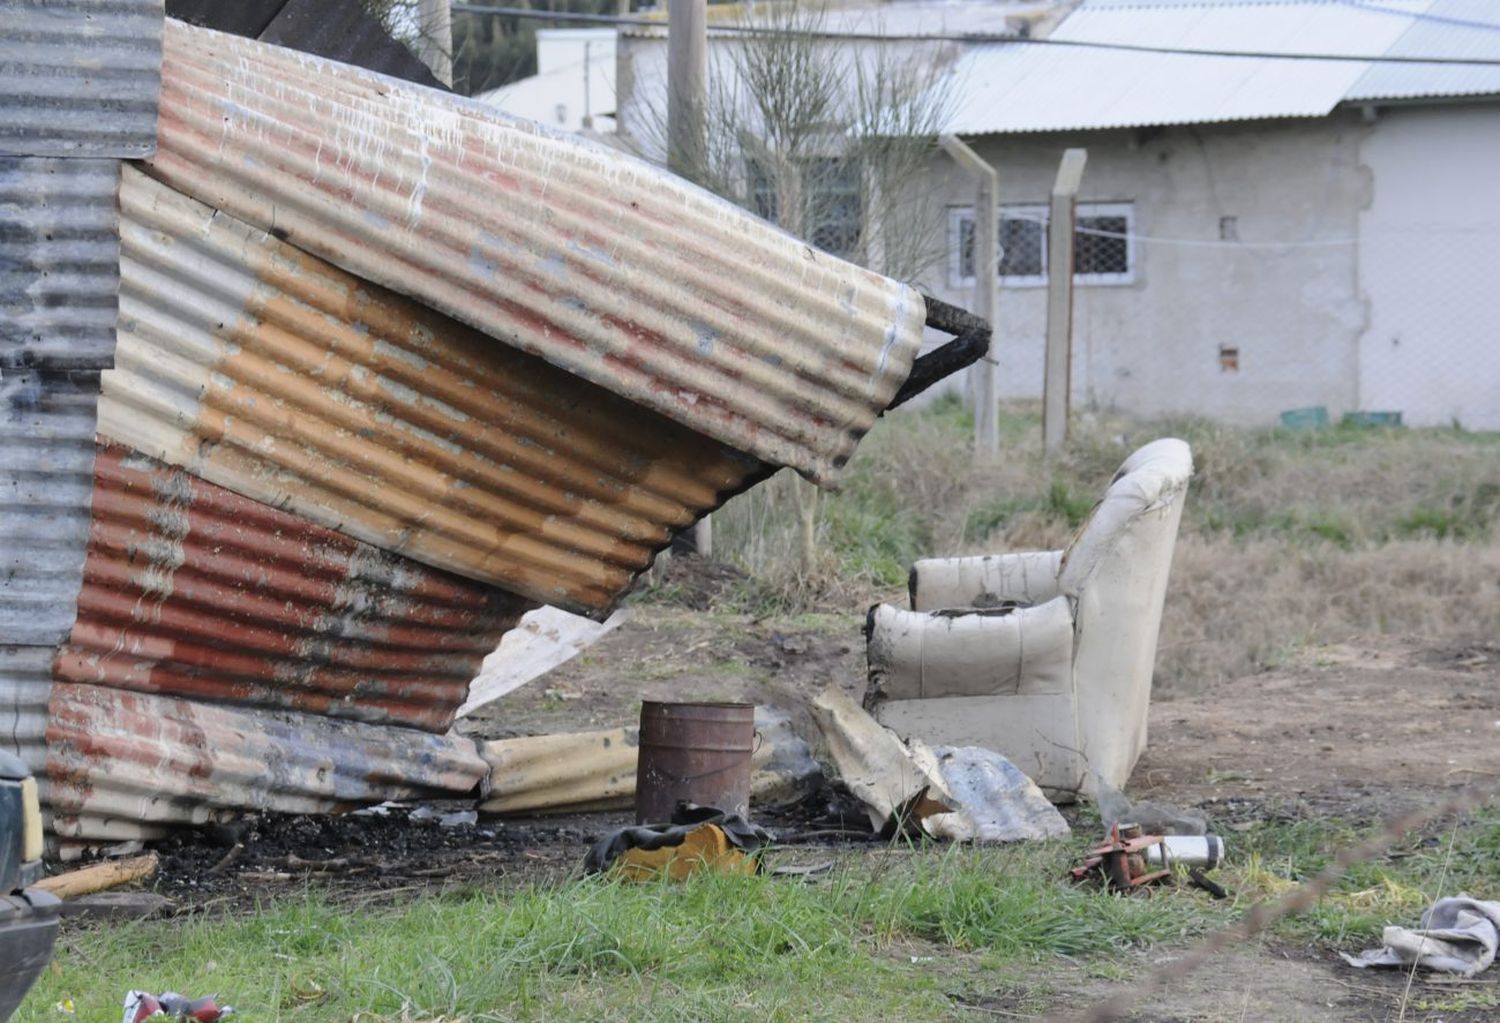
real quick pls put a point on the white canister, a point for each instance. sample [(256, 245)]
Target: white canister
[(1205, 851)]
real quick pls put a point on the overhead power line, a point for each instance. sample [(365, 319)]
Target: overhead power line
[(978, 37)]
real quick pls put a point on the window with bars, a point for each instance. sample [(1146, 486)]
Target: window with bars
[(1103, 251), (832, 199)]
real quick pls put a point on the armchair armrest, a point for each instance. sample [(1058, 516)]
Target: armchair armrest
[(914, 655), (988, 580)]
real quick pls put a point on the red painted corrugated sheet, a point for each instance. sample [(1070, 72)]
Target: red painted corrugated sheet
[(191, 590)]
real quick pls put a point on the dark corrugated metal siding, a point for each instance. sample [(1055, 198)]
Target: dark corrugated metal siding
[(79, 77), (59, 262), (46, 477)]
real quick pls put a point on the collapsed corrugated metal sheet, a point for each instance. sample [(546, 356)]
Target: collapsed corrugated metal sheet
[(342, 30), (59, 262), (79, 77), (293, 383), (123, 765), (46, 470), (1448, 28), (601, 264), (1004, 88), (190, 590)]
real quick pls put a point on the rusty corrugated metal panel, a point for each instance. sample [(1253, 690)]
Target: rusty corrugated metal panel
[(599, 263), (59, 262), (123, 765), (46, 476), (190, 590), (286, 380), (79, 77)]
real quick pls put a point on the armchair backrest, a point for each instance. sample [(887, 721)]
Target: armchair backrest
[(1115, 571)]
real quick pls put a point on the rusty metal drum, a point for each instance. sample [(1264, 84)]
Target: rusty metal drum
[(694, 752)]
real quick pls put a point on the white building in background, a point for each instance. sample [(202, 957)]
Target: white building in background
[(574, 87), (1257, 234)]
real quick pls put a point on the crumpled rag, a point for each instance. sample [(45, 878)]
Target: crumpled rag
[(1458, 935)]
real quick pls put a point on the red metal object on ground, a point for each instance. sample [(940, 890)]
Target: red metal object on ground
[(1121, 861)]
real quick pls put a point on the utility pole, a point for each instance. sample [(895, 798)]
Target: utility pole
[(1058, 366), (687, 92), (687, 84), (435, 42), (986, 289)]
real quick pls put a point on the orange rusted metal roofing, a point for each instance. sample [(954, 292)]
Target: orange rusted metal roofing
[(294, 383), (601, 264), (191, 590)]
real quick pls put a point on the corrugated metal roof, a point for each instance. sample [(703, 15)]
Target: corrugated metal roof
[(1439, 31), (599, 263), (123, 765), (298, 385), (1006, 88), (46, 477), (79, 77), (337, 29), (190, 590), (59, 262)]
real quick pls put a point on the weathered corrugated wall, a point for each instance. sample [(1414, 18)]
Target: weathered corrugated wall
[(79, 77), (296, 384), (79, 81), (123, 765), (46, 476), (601, 264), (190, 590), (25, 689), (59, 263)]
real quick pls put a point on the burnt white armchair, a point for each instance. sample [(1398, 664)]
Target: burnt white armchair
[(1045, 657)]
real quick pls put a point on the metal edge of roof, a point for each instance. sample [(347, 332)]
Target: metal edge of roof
[(47, 423), (123, 765), (599, 263), (1428, 35), (79, 77), (192, 591), (59, 262), (1151, 90), (291, 382)]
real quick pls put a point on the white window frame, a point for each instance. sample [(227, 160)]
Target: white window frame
[(958, 214)]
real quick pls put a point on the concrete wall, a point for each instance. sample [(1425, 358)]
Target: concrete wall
[(1152, 347), (1429, 259)]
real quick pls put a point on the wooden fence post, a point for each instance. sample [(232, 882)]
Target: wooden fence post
[(1058, 367)]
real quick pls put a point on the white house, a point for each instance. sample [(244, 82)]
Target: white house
[(1257, 233), (574, 84)]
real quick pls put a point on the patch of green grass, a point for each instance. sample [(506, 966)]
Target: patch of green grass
[(1392, 888), (760, 948)]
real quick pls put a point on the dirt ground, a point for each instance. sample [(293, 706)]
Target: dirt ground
[(1352, 732)]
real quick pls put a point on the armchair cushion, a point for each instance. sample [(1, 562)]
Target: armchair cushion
[(970, 652), (988, 580)]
